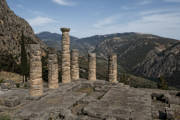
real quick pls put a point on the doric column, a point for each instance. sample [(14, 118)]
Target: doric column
[(112, 68), (52, 71), (36, 82), (66, 76), (75, 64), (92, 66)]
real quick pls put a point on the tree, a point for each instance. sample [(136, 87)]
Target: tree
[(124, 78), (24, 60), (162, 83)]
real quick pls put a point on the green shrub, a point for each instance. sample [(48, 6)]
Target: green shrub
[(17, 85), (1, 80), (5, 117), (162, 83), (25, 85)]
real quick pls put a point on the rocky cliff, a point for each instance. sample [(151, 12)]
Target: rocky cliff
[(12, 28), (165, 63)]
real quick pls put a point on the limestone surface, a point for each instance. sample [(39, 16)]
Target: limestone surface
[(90, 100), (92, 66), (66, 75), (36, 82), (53, 71), (112, 68), (75, 64)]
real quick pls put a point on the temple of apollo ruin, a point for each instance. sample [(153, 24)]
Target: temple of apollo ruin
[(69, 66)]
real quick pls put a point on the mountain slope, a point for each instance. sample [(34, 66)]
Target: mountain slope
[(139, 54), (12, 28), (131, 48), (53, 39), (165, 63)]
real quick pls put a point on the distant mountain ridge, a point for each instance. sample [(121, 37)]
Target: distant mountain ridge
[(134, 51), (52, 39)]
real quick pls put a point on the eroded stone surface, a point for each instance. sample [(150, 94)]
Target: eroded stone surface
[(112, 68), (92, 66), (53, 71), (36, 82), (66, 74), (89, 100), (75, 64)]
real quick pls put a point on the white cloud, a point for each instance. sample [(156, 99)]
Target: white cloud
[(106, 21), (145, 2), (40, 21), (166, 24), (64, 2), (159, 11), (172, 1), (20, 6), (126, 7)]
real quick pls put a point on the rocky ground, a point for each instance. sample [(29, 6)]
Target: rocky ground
[(85, 100)]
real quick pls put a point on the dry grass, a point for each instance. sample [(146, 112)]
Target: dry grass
[(10, 76), (5, 117), (177, 115), (87, 90)]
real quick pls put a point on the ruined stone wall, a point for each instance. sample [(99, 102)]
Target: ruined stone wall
[(112, 68), (66, 76), (92, 66), (36, 82), (52, 71), (75, 64)]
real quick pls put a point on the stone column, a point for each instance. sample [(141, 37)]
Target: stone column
[(112, 68), (53, 71), (75, 65), (92, 66), (36, 82), (66, 76)]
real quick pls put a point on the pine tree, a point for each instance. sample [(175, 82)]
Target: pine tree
[(124, 78), (162, 83), (24, 60)]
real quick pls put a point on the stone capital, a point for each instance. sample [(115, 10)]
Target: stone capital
[(65, 29)]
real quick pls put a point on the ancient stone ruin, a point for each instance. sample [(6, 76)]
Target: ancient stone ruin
[(70, 67), (53, 71), (92, 66), (66, 75), (112, 68), (36, 82), (84, 99), (75, 64)]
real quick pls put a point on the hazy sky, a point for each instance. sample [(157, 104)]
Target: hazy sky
[(91, 17)]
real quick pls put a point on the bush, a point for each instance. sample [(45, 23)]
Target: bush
[(17, 85), (5, 117), (162, 83), (1, 80), (25, 85)]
